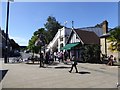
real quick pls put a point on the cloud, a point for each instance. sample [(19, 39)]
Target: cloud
[(20, 40)]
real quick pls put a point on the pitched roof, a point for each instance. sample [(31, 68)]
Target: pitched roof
[(88, 37), (97, 30)]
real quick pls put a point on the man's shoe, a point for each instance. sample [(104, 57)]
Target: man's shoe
[(76, 72), (69, 71)]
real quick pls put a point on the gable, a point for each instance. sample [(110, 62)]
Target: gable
[(73, 38), (85, 37), (88, 37)]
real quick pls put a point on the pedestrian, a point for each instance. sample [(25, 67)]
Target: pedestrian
[(55, 56), (115, 60), (41, 60), (65, 55), (59, 56), (51, 58), (47, 58), (74, 64), (110, 60)]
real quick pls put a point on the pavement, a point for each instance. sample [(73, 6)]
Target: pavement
[(22, 75)]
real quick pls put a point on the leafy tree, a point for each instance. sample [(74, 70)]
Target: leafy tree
[(114, 39), (39, 31), (91, 53), (52, 26), (43, 32), (31, 44)]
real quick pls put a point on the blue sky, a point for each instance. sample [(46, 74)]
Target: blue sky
[(27, 17)]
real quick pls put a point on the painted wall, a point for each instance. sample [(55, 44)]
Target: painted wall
[(63, 36), (74, 38), (102, 43), (109, 52)]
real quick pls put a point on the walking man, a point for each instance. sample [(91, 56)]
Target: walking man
[(65, 55), (74, 64), (41, 60)]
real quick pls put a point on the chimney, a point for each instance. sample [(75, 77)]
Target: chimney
[(105, 27)]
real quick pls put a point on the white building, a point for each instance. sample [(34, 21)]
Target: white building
[(59, 40), (78, 39), (101, 30)]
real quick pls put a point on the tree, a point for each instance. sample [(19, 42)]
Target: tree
[(52, 27), (31, 45), (43, 32), (114, 39), (91, 53)]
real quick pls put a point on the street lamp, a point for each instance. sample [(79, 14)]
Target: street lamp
[(6, 37), (40, 42)]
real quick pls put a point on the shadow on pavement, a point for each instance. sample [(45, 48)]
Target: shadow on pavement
[(84, 72), (32, 63), (61, 67), (2, 74), (54, 64)]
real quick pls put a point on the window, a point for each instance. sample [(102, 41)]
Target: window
[(77, 37), (61, 38), (61, 45)]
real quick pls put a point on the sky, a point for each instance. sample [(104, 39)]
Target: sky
[(27, 17)]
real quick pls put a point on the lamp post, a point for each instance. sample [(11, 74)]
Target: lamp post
[(40, 42), (6, 37)]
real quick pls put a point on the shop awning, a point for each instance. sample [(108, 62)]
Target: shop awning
[(69, 46)]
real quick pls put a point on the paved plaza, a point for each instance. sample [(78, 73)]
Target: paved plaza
[(21, 75)]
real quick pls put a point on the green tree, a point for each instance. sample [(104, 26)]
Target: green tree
[(43, 32), (91, 53), (114, 39), (31, 45), (52, 26)]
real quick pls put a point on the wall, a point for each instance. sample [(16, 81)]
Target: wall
[(102, 44), (64, 33), (109, 52), (74, 39)]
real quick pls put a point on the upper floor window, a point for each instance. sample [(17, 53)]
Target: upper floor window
[(77, 37), (61, 45), (61, 38)]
